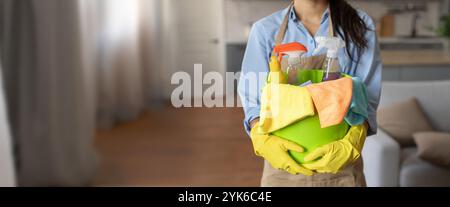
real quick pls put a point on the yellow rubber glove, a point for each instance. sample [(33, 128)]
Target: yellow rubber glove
[(275, 151), (282, 105), (337, 155)]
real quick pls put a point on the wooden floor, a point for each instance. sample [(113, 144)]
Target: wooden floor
[(179, 147)]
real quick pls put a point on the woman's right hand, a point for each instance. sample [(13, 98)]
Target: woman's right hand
[(275, 151)]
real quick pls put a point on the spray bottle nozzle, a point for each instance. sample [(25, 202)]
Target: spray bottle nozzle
[(291, 49), (333, 44)]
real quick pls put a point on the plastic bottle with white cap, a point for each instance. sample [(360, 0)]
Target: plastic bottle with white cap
[(331, 67), (294, 54)]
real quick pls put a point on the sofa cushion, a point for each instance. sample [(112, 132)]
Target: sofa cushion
[(434, 147), (402, 119), (433, 96), (416, 172)]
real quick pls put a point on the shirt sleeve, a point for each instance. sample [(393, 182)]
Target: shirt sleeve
[(369, 69), (255, 67)]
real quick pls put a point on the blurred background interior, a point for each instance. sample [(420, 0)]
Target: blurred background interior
[(87, 85)]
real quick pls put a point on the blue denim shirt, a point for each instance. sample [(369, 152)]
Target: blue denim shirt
[(262, 40)]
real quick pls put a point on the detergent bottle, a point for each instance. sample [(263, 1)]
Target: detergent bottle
[(275, 73), (295, 57), (331, 67)]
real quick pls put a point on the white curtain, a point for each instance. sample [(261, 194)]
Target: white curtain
[(51, 106), (129, 77), (7, 176), (120, 75), (71, 66)]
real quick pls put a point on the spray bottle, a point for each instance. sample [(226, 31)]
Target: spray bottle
[(295, 53), (331, 68), (295, 60)]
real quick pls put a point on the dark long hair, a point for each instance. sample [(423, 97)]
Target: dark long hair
[(349, 26)]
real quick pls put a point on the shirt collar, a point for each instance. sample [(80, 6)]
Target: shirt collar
[(325, 15)]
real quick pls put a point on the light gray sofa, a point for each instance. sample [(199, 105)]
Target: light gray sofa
[(386, 164)]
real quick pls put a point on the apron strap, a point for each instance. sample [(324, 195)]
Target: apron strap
[(284, 25), (330, 24)]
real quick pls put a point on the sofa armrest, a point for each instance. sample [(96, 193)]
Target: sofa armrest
[(381, 155)]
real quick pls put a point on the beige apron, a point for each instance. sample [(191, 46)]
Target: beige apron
[(351, 176)]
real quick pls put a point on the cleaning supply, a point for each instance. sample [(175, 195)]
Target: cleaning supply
[(331, 66), (306, 132), (313, 76), (358, 111), (276, 99), (332, 100), (295, 59), (282, 49), (275, 74), (310, 135), (333, 157), (275, 151)]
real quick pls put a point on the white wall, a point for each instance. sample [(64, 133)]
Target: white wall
[(241, 14)]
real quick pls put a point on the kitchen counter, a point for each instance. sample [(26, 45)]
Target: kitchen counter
[(415, 65), (392, 58)]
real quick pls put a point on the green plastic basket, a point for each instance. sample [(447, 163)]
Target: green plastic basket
[(314, 76), (307, 132)]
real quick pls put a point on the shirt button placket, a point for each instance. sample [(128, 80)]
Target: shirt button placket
[(312, 43)]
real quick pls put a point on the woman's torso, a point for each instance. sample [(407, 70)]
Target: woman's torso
[(297, 32)]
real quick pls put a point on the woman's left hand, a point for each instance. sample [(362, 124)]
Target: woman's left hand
[(333, 157)]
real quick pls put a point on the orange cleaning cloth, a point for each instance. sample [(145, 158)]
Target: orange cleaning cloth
[(332, 100)]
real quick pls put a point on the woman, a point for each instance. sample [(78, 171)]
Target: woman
[(306, 20)]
